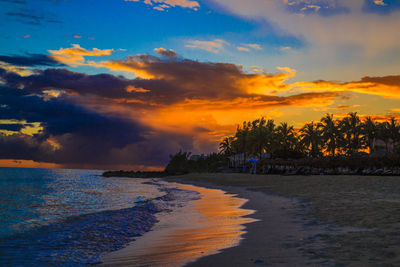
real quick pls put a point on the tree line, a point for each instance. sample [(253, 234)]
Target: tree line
[(348, 136)]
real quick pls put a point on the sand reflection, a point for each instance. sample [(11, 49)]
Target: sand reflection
[(204, 227)]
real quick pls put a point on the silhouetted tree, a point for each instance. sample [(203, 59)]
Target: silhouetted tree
[(286, 139), (225, 147), (369, 131), (311, 138), (329, 136), (330, 133), (350, 129), (178, 163)]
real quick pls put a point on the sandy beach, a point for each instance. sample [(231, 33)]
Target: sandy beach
[(312, 220), (186, 232), (298, 221)]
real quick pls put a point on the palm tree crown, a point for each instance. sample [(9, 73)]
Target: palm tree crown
[(347, 136), (311, 138)]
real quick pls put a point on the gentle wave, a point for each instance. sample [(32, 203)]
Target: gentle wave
[(81, 240), (81, 236)]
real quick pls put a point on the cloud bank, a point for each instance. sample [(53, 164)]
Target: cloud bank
[(108, 121)]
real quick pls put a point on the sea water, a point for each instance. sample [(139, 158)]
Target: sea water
[(72, 217)]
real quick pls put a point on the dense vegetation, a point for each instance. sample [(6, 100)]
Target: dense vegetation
[(180, 163), (348, 137), (363, 146), (348, 142)]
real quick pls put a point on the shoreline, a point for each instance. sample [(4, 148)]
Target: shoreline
[(283, 235), (187, 231), (310, 220), (356, 217)]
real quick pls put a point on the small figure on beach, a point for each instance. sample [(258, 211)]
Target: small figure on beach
[(253, 168)]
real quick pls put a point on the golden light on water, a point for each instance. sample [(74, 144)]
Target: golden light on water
[(205, 227)]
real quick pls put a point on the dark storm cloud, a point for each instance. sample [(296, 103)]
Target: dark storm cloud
[(214, 84), (60, 117), (12, 127), (104, 85), (19, 146), (96, 121), (94, 135), (80, 136), (163, 82), (189, 78), (30, 60), (392, 80), (177, 81)]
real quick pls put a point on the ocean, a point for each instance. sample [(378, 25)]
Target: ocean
[(63, 217)]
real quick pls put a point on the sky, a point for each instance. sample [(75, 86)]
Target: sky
[(123, 84)]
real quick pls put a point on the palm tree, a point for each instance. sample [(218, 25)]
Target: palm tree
[(330, 133), (242, 139), (235, 145), (394, 130), (310, 137), (384, 134), (350, 137), (178, 163), (225, 146), (258, 137), (270, 132), (391, 133), (286, 138), (370, 133)]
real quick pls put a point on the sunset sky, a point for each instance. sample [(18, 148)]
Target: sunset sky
[(124, 84)]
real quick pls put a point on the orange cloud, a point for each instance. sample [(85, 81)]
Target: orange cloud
[(379, 2), (166, 53), (131, 89), (203, 79), (250, 103), (190, 102), (185, 96), (75, 55), (346, 107), (388, 86), (22, 71), (241, 48)]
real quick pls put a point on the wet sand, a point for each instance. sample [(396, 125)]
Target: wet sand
[(325, 220), (214, 231), (204, 227)]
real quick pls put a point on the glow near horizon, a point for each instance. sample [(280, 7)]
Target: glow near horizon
[(282, 46)]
